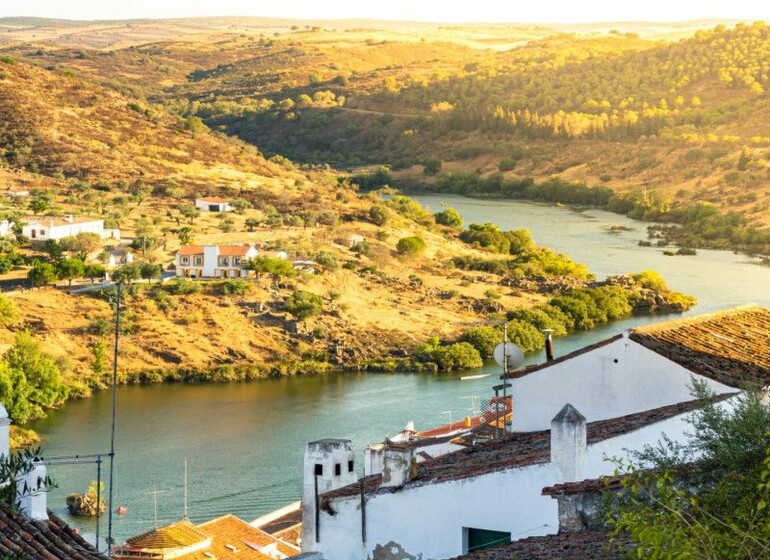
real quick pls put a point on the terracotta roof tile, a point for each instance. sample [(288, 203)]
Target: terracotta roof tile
[(212, 200), (190, 250), (233, 250), (41, 540), (284, 522), (587, 545), (732, 347), (180, 534)]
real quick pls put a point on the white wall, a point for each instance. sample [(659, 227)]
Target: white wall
[(620, 378), (428, 520), (61, 231)]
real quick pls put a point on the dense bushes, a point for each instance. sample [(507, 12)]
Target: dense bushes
[(536, 263), (490, 236)]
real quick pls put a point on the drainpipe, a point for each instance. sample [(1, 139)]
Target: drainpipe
[(548, 344)]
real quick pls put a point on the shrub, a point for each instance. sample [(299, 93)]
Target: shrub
[(449, 217), (483, 339), (233, 286), (302, 304), (460, 355), (411, 246), (378, 215)]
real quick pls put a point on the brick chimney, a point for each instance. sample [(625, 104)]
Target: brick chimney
[(568, 441)]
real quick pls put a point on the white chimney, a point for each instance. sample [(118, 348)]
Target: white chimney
[(5, 432), (397, 466), (31, 492), (329, 464), (568, 442)]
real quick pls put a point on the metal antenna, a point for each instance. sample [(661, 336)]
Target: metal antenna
[(474, 399), (185, 490), (450, 418), (155, 493), (114, 409)]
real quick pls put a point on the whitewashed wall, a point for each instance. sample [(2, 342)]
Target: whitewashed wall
[(428, 520), (620, 378)]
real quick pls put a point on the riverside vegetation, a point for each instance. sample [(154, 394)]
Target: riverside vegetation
[(393, 286)]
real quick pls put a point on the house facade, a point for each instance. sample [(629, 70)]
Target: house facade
[(213, 261), (213, 204), (569, 416), (43, 228)]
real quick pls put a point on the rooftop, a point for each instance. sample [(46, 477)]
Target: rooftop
[(41, 540), (728, 346), (58, 220), (587, 545), (223, 250), (179, 534), (212, 200), (518, 449)]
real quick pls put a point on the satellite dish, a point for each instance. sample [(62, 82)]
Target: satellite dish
[(508, 354)]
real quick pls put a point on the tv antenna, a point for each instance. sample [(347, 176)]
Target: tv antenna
[(510, 357), (474, 409), (155, 493), (185, 517)]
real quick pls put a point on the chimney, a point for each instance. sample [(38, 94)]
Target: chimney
[(31, 492), (568, 441), (5, 432), (397, 465), (548, 344), (329, 464)]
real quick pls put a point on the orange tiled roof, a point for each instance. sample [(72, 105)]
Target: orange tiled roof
[(176, 535), (732, 346), (233, 250), (291, 534), (190, 250)]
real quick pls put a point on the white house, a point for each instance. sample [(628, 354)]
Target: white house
[(213, 261), (569, 415), (6, 228), (42, 228), (213, 204)]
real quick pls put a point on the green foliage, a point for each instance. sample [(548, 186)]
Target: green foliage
[(274, 266), (432, 166), (719, 509), (327, 260), (460, 355), (411, 247), (29, 380), (490, 236), (182, 287), (378, 215), (127, 273), (302, 304), (9, 313), (99, 354), (233, 287), (449, 217), (42, 274), (525, 335), (94, 271), (15, 467), (150, 271), (69, 269), (410, 209), (483, 339)]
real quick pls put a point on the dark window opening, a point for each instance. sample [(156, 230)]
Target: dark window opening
[(478, 539), (319, 469), (337, 469), (350, 466)]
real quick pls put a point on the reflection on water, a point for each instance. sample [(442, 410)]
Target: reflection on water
[(244, 442)]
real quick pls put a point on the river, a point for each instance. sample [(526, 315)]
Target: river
[(244, 442)]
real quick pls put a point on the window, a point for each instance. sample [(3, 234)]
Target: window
[(223, 261), (350, 466), (319, 469), (198, 261), (185, 260), (42, 232), (236, 261), (478, 539), (337, 469)]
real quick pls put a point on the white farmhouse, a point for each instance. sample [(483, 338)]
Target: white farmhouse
[(569, 415), (43, 228), (213, 261), (213, 204)]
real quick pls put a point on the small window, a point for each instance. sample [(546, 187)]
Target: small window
[(337, 469), (236, 261), (42, 232), (319, 469), (199, 261), (223, 261), (350, 466), (185, 260)]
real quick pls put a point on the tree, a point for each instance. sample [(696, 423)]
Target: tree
[(150, 271), (412, 246), (127, 273), (54, 249), (251, 223), (8, 311), (432, 166), (460, 355), (185, 234), (30, 380), (378, 215), (302, 304), (273, 266), (240, 205), (190, 212), (718, 506), (42, 274), (483, 339), (69, 269), (449, 217), (94, 271), (82, 244), (99, 351)]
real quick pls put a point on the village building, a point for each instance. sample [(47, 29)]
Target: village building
[(213, 204), (223, 538), (6, 228), (569, 416), (213, 261), (43, 228), (118, 256), (32, 531)]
